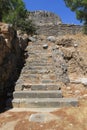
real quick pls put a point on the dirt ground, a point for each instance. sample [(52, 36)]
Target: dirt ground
[(64, 119)]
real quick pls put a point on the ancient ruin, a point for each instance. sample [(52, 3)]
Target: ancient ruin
[(41, 18), (49, 24), (34, 70)]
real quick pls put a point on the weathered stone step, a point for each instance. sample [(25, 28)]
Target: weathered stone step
[(37, 94), (43, 71), (39, 71), (46, 78), (40, 64), (35, 46), (48, 81), (37, 54), (40, 55), (39, 59), (35, 72), (44, 102), (45, 87), (40, 87), (39, 51), (37, 80), (36, 87), (38, 46), (43, 45), (38, 67)]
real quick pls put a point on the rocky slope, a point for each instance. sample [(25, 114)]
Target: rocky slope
[(11, 59)]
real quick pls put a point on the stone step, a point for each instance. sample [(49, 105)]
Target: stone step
[(38, 54), (38, 58), (41, 59), (39, 81), (38, 47), (36, 80), (40, 64), (40, 51), (37, 94), (45, 76), (38, 67), (43, 79), (45, 87), (35, 46), (37, 87), (43, 71), (48, 81), (44, 102)]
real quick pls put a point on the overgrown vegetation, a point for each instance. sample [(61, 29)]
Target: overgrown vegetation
[(14, 12), (80, 8)]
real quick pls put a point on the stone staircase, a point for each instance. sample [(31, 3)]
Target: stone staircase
[(38, 85)]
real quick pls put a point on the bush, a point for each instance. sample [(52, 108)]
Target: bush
[(26, 26)]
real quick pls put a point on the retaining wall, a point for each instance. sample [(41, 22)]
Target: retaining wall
[(56, 30)]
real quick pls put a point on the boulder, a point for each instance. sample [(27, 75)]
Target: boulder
[(51, 38)]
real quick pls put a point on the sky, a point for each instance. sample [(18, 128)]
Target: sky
[(56, 6)]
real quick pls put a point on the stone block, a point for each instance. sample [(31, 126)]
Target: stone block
[(46, 102), (37, 94)]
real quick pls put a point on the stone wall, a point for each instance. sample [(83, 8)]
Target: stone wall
[(11, 59), (57, 30), (50, 24), (44, 18)]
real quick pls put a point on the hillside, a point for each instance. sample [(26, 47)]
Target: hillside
[(65, 118), (33, 68)]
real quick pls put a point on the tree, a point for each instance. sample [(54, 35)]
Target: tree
[(80, 8), (14, 12), (5, 6)]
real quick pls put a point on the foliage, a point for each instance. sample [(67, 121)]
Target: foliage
[(14, 12), (4, 8), (80, 8), (26, 26)]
